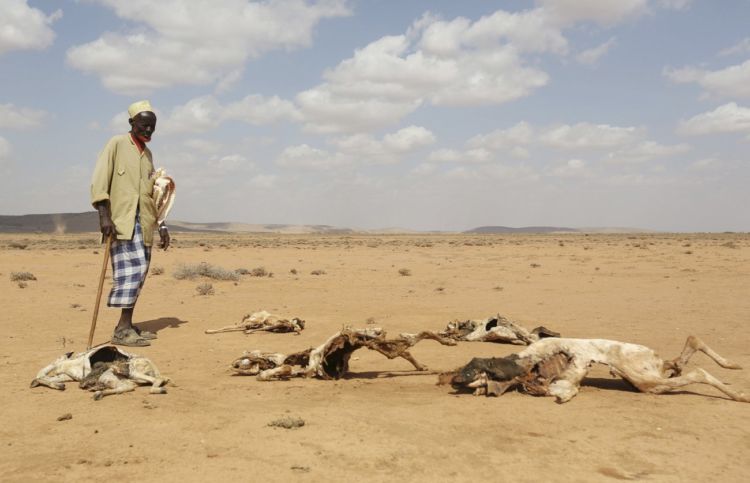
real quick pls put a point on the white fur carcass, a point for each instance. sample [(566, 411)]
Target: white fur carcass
[(556, 367), (263, 321), (163, 194), (495, 329), (106, 370)]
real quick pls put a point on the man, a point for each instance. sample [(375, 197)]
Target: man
[(121, 189)]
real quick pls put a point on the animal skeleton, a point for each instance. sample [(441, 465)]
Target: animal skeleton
[(106, 370), (330, 360), (495, 329), (556, 367), (263, 321), (163, 194)]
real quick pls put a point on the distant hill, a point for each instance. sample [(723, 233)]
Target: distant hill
[(554, 229), (523, 229), (89, 222)]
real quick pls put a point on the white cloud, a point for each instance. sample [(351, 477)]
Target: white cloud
[(12, 117), (573, 168), (520, 134), (444, 155), (732, 81), (741, 47), (646, 151), (408, 139), (307, 157), (604, 12), (704, 164), (592, 56), (585, 135), (205, 113), (23, 27), (726, 118), (197, 42)]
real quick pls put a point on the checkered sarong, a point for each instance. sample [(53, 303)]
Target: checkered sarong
[(130, 260)]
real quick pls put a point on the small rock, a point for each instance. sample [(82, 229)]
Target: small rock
[(65, 417)]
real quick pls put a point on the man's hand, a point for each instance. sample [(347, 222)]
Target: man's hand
[(106, 225), (164, 235)]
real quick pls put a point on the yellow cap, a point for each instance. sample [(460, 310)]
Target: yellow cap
[(138, 107)]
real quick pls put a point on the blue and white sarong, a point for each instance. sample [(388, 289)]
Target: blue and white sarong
[(130, 261)]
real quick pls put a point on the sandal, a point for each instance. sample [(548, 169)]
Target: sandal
[(129, 338), (145, 334)]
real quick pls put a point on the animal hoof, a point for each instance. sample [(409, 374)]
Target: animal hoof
[(98, 395), (34, 383)]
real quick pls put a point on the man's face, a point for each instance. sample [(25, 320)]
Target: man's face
[(143, 125)]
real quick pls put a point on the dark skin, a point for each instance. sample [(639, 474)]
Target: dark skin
[(142, 127)]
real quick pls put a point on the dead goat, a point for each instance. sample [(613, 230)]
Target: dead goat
[(263, 321), (330, 360), (495, 329), (556, 367), (105, 370)]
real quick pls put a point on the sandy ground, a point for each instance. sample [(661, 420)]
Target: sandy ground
[(384, 422)]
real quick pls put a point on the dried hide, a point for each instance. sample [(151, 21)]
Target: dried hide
[(556, 367), (163, 194), (330, 360), (263, 322), (105, 370), (495, 329)]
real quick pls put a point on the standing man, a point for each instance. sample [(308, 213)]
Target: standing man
[(121, 188)]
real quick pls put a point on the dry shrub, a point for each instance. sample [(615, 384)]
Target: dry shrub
[(21, 276), (535, 265), (287, 422), (22, 284), (293, 271), (190, 272), (260, 272), (205, 289), (18, 245), (318, 272), (404, 272), (157, 271)]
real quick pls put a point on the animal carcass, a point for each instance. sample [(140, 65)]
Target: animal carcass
[(105, 370), (330, 360), (495, 329), (556, 367), (263, 321)]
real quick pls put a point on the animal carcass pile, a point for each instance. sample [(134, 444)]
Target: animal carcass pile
[(104, 370), (330, 360)]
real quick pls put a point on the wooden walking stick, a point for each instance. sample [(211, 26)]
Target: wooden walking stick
[(99, 292)]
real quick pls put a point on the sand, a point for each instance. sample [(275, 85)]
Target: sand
[(383, 422)]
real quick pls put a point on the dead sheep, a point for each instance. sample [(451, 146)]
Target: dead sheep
[(105, 370), (556, 367)]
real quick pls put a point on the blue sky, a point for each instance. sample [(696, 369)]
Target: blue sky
[(438, 115)]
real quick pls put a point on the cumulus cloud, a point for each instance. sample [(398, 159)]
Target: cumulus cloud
[(728, 118), (603, 12), (518, 135), (25, 28), (12, 117), (592, 56), (573, 168), (646, 151), (741, 47), (585, 135), (732, 81), (198, 42), (307, 157), (204, 113), (457, 62)]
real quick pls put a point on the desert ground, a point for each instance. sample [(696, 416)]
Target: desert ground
[(384, 422)]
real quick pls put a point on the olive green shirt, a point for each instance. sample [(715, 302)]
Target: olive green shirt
[(122, 176)]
